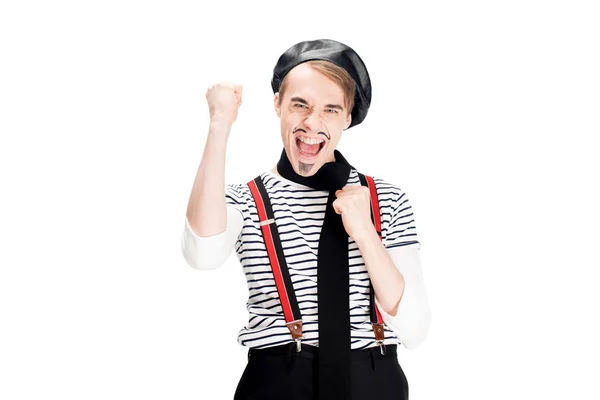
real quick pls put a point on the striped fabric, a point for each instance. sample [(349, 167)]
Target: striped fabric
[(299, 211)]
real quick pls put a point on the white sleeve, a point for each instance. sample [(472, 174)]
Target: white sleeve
[(210, 252), (412, 321)]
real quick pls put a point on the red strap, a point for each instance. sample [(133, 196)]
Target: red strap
[(376, 217), (375, 204), (262, 216)]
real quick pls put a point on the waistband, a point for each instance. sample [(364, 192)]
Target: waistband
[(311, 352)]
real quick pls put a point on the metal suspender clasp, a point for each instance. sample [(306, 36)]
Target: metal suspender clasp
[(379, 336), (295, 328)]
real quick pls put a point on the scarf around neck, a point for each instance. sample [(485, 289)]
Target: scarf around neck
[(333, 286)]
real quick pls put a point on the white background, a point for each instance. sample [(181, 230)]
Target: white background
[(485, 113)]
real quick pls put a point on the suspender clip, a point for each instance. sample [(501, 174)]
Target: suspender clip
[(379, 336), (295, 328)]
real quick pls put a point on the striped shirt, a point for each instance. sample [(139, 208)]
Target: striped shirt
[(298, 212)]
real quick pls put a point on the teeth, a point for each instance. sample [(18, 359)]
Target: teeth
[(310, 140)]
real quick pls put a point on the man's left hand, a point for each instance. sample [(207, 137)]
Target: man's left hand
[(354, 204)]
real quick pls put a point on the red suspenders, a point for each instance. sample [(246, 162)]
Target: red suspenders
[(285, 289), (287, 296), (376, 319)]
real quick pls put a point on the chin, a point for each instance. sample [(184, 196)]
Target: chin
[(314, 162)]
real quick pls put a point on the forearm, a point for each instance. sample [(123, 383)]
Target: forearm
[(388, 282), (206, 210), (413, 319)]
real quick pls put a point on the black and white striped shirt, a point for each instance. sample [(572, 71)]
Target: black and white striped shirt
[(299, 211)]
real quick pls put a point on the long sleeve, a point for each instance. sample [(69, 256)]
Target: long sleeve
[(399, 235), (210, 252), (411, 322)]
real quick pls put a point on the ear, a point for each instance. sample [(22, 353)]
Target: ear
[(276, 104), (348, 120)]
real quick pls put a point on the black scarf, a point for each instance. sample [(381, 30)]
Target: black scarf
[(333, 287)]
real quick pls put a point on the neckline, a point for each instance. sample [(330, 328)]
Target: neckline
[(281, 179)]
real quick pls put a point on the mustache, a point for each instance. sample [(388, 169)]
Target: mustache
[(318, 133)]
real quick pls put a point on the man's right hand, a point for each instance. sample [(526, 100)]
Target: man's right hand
[(224, 100)]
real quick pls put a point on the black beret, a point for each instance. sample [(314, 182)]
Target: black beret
[(339, 54)]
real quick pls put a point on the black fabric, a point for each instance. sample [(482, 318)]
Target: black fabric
[(333, 279), (339, 54), (279, 373)]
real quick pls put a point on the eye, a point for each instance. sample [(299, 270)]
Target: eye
[(331, 109), (299, 105)]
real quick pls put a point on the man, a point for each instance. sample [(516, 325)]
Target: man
[(330, 255)]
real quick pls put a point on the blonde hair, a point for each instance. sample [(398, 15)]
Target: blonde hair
[(332, 71)]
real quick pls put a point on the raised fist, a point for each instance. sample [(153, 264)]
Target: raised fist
[(224, 100)]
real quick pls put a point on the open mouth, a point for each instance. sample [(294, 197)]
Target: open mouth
[(309, 149)]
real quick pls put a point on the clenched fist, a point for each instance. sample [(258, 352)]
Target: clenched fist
[(224, 100)]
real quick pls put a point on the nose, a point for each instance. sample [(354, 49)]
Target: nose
[(313, 121)]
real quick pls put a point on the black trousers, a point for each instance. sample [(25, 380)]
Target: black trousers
[(280, 373)]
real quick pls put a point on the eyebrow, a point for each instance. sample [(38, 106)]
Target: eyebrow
[(301, 100)]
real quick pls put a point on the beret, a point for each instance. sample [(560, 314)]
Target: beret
[(339, 54)]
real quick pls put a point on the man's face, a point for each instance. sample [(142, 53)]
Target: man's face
[(312, 109)]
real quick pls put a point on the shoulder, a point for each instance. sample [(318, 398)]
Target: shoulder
[(240, 192), (397, 217), (392, 198), (388, 191)]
